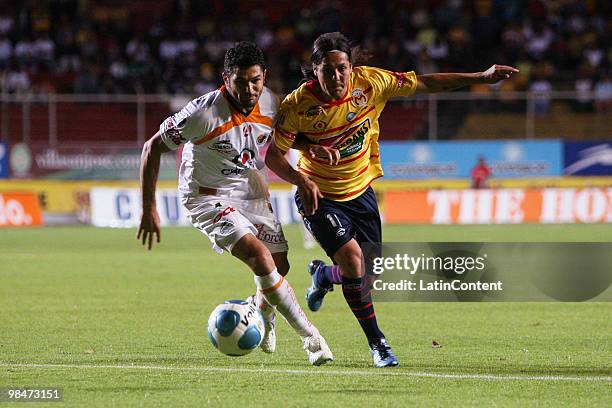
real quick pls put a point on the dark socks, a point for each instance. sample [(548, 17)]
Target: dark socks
[(359, 299)]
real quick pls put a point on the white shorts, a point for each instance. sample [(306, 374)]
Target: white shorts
[(225, 220)]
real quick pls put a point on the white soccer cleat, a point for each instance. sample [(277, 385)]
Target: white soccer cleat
[(317, 349), (268, 344)]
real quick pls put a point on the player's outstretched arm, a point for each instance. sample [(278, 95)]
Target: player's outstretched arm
[(448, 81), (149, 169)]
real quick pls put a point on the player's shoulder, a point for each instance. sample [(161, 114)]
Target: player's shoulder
[(213, 100), (268, 102), (301, 96), (199, 114), (366, 73), (209, 103)]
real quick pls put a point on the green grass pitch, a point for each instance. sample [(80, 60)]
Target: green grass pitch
[(91, 311)]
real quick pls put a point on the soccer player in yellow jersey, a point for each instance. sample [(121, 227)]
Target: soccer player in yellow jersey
[(337, 112)]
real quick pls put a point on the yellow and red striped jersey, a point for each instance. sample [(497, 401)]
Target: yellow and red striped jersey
[(349, 124)]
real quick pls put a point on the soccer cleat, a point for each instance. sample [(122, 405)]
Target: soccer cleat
[(268, 344), (317, 349), (316, 293), (382, 354)]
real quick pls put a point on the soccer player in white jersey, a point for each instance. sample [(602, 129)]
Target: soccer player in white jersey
[(224, 190)]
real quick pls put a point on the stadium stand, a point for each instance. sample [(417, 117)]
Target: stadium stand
[(176, 47)]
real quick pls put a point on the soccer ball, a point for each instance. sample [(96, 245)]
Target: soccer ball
[(235, 327)]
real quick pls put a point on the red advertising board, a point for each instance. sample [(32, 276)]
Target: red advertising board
[(19, 210)]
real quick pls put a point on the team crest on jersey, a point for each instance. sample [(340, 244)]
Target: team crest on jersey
[(263, 138), (350, 116), (359, 97), (313, 111), (319, 125)]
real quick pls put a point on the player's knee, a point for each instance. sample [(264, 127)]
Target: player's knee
[(281, 262), (253, 253), (262, 264)]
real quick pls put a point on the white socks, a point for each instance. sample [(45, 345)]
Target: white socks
[(267, 310), (277, 291)]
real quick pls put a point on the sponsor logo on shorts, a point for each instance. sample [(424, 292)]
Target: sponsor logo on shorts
[(226, 211), (225, 227), (334, 221), (271, 237), (306, 222)]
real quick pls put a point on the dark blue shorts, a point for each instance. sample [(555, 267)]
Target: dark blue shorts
[(336, 222)]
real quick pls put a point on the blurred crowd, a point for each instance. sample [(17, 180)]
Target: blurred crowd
[(177, 46)]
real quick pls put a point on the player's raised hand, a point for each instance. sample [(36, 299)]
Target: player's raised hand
[(309, 193), (498, 73), (149, 226), (330, 154)]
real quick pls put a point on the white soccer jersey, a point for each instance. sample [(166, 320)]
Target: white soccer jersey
[(222, 145)]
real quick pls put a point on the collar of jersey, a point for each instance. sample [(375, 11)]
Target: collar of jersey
[(234, 108)]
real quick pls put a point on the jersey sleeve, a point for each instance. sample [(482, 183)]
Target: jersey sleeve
[(184, 126), (285, 127), (389, 84)]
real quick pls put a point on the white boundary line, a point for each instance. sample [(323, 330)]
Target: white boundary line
[(320, 371)]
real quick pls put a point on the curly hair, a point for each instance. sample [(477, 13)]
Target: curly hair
[(243, 55)]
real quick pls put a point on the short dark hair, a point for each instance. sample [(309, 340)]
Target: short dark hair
[(330, 42), (243, 55)]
